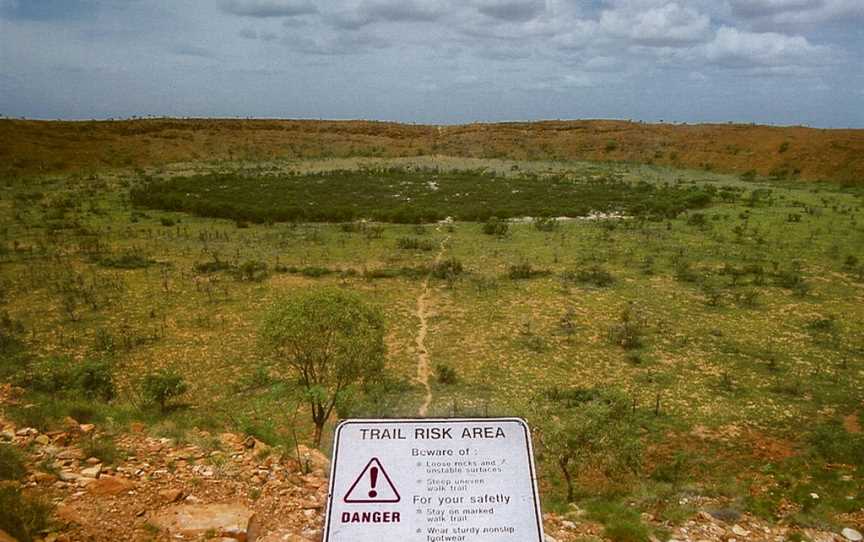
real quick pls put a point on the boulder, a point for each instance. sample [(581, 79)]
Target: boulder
[(6, 537), (193, 521), (92, 472), (852, 535), (170, 496), (110, 486)]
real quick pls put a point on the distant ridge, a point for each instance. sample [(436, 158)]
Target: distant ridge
[(32, 147)]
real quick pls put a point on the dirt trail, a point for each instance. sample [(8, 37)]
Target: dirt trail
[(423, 369)]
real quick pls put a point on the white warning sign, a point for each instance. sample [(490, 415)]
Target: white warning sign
[(433, 480)]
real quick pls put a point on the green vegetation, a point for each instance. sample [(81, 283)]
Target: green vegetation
[(331, 340), (718, 343), (22, 516), (162, 387), (588, 428), (401, 196), (11, 463)]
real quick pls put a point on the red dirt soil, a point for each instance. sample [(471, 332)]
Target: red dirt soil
[(32, 147)]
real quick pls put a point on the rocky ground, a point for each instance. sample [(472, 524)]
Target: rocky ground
[(234, 488)]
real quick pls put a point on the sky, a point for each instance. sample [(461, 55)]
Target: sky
[(784, 62)]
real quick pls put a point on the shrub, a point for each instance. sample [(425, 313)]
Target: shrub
[(446, 374), (629, 331), (496, 226), (22, 516), (834, 444), (96, 378), (252, 271), (167, 222), (685, 273), (697, 220), (127, 260), (595, 275), (413, 243), (64, 375), (315, 272), (212, 266), (11, 463), (13, 358), (447, 269), (102, 448), (545, 223), (625, 526), (162, 387), (525, 270)]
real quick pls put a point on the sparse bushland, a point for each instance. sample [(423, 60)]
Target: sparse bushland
[(763, 364)]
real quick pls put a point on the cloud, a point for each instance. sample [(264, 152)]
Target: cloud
[(403, 10), (357, 14), (47, 10), (740, 49), (512, 10), (269, 8), (579, 34), (761, 8), (666, 25), (339, 44), (796, 12)]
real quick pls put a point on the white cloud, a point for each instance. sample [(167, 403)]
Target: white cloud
[(353, 14), (666, 25), (336, 44), (796, 12), (736, 48), (578, 35)]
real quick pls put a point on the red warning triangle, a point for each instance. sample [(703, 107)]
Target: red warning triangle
[(373, 485)]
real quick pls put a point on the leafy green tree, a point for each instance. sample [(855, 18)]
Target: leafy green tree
[(161, 387), (583, 428), (331, 339)]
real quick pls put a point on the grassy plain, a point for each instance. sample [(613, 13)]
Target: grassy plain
[(744, 359)]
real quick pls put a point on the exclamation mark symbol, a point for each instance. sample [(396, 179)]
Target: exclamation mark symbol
[(373, 474)]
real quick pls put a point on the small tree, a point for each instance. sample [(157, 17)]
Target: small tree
[(583, 428), (331, 339), (161, 387)]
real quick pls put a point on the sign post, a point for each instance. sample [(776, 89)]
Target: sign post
[(433, 480)]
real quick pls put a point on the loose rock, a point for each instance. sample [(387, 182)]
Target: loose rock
[(193, 521)]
